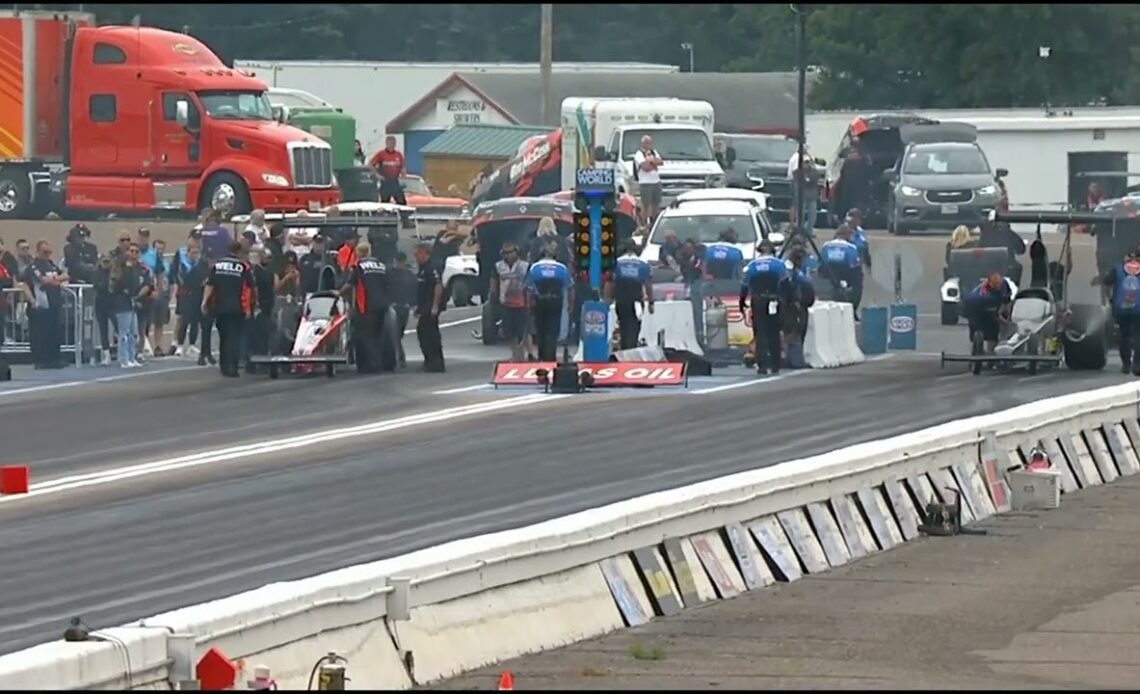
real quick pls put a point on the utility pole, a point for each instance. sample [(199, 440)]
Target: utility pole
[(801, 110), (546, 56)]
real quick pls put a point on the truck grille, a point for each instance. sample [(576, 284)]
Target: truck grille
[(939, 197), (312, 166), (676, 186)]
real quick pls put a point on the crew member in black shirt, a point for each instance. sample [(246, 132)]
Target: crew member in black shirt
[(261, 327), (402, 283), (311, 264), (368, 283), (44, 280), (429, 304), (230, 296)]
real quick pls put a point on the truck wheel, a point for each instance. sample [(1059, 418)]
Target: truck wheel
[(15, 195), (1084, 340), (949, 313), (461, 292), (225, 186)]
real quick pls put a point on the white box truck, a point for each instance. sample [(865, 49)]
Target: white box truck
[(681, 131)]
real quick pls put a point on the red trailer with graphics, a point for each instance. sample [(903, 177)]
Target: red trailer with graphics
[(130, 119)]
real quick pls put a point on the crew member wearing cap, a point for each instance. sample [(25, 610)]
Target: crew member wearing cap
[(859, 236), (1124, 282), (368, 285), (632, 284), (216, 239), (429, 304), (761, 284), (310, 265), (80, 255), (230, 298)]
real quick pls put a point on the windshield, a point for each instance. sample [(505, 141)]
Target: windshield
[(766, 149), (293, 100), (959, 160), (236, 105), (415, 186), (705, 228), (679, 145)]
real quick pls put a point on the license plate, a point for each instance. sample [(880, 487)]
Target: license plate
[(949, 209)]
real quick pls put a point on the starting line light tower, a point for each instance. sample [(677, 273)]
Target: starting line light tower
[(595, 241)]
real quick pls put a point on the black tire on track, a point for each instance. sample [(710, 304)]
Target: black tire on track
[(1090, 352), (389, 342), (490, 330)]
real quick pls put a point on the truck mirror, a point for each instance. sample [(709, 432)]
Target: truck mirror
[(1002, 173), (820, 162), (600, 154), (182, 113)]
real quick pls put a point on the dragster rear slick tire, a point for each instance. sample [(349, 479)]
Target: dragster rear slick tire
[(489, 320), (1089, 353)]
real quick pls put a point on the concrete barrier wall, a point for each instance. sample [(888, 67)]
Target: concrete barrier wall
[(830, 341), (491, 597)]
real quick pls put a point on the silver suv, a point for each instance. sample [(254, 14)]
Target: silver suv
[(943, 179)]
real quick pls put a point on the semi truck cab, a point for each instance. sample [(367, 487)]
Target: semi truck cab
[(136, 119)]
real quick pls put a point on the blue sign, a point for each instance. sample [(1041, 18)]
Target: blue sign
[(594, 180), (595, 332), (903, 327), (873, 329)]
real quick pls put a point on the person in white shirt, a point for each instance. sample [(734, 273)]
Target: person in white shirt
[(256, 231), (646, 162)]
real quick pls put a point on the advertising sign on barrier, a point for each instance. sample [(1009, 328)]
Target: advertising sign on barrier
[(626, 373)]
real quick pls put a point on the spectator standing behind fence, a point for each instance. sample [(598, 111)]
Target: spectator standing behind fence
[(80, 255), (152, 265), (180, 266), (42, 283), (261, 326), (23, 256), (216, 239), (129, 287), (104, 305), (9, 271)]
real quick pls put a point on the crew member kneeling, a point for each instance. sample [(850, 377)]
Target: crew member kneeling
[(723, 259), (986, 306), (762, 281), (1124, 281), (229, 296), (550, 289), (632, 284), (368, 282)]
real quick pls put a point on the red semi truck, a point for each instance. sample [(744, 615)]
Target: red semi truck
[(130, 119)]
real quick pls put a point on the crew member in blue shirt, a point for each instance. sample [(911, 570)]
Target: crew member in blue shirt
[(859, 236), (632, 284), (985, 307), (723, 260), (799, 294), (1124, 282), (761, 284), (550, 290), (840, 260)]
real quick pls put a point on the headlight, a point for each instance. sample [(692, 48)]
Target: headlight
[(988, 190), (716, 181), (275, 180), (912, 192)]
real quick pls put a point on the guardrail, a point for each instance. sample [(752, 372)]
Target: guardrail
[(77, 321), (470, 602)]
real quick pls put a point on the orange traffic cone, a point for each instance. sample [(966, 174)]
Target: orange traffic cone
[(506, 682)]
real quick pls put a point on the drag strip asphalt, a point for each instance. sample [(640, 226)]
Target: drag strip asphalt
[(137, 546)]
